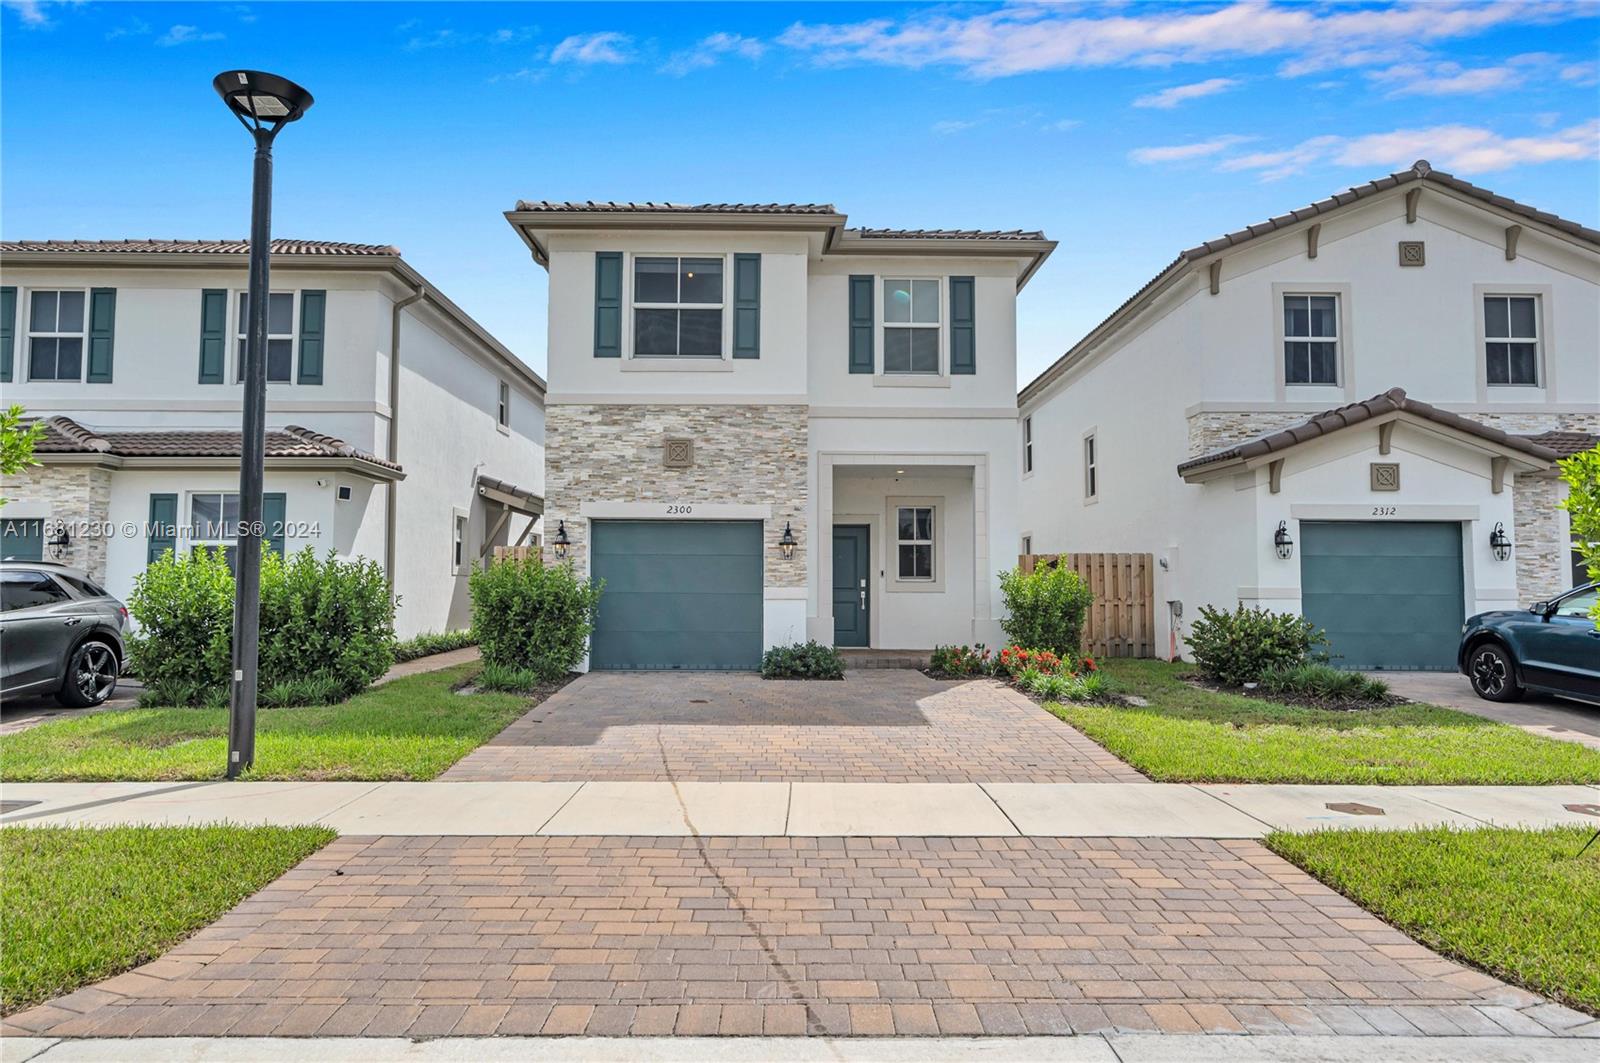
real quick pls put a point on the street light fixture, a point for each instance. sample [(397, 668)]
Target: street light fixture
[(264, 104)]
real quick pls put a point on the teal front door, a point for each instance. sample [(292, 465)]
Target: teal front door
[(678, 594), (851, 571), (1389, 595)]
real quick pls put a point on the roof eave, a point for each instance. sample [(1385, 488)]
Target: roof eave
[(529, 224)]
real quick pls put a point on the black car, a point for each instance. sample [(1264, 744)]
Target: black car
[(1553, 647), (60, 634)]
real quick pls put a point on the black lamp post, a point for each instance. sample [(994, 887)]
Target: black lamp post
[(264, 104)]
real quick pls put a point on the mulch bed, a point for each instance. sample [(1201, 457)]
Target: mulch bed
[(1106, 700), (534, 695), (1306, 701)]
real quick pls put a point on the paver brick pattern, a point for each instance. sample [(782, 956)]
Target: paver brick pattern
[(885, 725), (518, 935)]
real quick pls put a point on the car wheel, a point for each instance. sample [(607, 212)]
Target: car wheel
[(1493, 674), (91, 675)]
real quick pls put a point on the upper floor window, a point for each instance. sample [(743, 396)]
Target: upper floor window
[(1311, 339), (677, 307), (1511, 339), (1091, 468), (280, 335), (503, 408), (1027, 444), (57, 326), (910, 326)]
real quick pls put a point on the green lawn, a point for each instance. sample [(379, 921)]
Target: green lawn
[(1189, 734), (1514, 903), (411, 728), (82, 904)]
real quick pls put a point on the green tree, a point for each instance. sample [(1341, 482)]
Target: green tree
[(1582, 473), (16, 442)]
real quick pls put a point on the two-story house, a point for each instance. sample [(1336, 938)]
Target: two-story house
[(1350, 412), (397, 428), (765, 426)]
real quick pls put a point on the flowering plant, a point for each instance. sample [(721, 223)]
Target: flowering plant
[(1013, 659), (962, 660)]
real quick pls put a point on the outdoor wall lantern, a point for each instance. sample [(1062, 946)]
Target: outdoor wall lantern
[(1500, 542), (561, 542), (60, 543), (787, 543), (1281, 541)]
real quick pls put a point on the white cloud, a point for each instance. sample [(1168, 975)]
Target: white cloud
[(1452, 148), (951, 126), (1031, 37), (1169, 98), (1452, 79), (183, 34), (710, 50), (134, 27), (1062, 125), (1582, 74), (594, 48), (30, 12), (1200, 149)]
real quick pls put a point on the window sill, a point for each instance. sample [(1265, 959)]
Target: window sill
[(504, 430), (676, 365), (914, 586), (910, 380)]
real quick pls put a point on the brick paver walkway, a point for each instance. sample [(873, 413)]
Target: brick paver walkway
[(886, 725), (435, 936)]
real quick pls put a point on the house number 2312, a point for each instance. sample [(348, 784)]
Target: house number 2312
[(1383, 511), (679, 511)]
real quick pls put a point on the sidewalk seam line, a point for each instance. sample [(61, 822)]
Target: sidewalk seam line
[(189, 785), (374, 788), (984, 788), (1229, 804), (551, 818)]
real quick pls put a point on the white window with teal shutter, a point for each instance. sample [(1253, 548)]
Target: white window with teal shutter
[(296, 321), (58, 333), (678, 306), (912, 313)]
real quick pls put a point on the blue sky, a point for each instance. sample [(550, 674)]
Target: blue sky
[(1125, 131)]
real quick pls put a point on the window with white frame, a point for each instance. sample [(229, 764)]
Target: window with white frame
[(1027, 544), (914, 542), (1027, 444), (677, 307), (1311, 339), (280, 335), (214, 521), (1511, 339), (458, 543), (56, 335), (503, 412), (1091, 468), (910, 325)]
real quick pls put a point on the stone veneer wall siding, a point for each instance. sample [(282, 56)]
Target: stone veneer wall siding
[(77, 494), (749, 455)]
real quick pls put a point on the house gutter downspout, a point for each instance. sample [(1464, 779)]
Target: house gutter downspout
[(391, 501)]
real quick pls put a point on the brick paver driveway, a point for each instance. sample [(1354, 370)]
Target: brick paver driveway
[(876, 726), (435, 936)]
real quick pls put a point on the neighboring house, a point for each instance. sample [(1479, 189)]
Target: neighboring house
[(1248, 387), (130, 351), (724, 374)]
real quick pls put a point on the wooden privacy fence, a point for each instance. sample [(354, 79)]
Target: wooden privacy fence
[(1122, 619), (521, 553)]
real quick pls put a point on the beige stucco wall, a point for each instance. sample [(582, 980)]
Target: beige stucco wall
[(78, 496), (743, 455)]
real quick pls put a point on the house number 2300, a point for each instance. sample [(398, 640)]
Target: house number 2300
[(679, 511)]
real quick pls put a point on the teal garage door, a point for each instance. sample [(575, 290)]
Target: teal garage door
[(677, 594), (1388, 595), (22, 540)]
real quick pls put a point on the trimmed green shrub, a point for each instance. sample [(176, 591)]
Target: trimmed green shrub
[(507, 679), (802, 660), (327, 628), (1323, 681), (1236, 648), (528, 616), (1046, 609), (431, 642)]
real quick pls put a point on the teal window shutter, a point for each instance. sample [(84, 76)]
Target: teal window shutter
[(747, 306), (102, 326), (161, 534), (313, 311), (608, 304), (213, 335), (862, 324), (963, 331), (8, 326), (274, 508)]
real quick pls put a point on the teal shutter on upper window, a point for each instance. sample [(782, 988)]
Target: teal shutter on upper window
[(161, 534), (8, 336), (102, 326), (608, 304), (963, 331), (274, 508), (747, 306), (862, 324), (213, 335), (313, 311)]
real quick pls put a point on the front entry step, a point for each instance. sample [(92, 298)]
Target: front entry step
[(915, 660)]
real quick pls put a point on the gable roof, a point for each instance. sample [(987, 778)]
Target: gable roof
[(1394, 400), (1565, 442), (611, 206), (1419, 172), (198, 247), (65, 436)]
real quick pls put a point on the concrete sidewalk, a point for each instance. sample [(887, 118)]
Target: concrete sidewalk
[(1087, 1048), (660, 809)]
